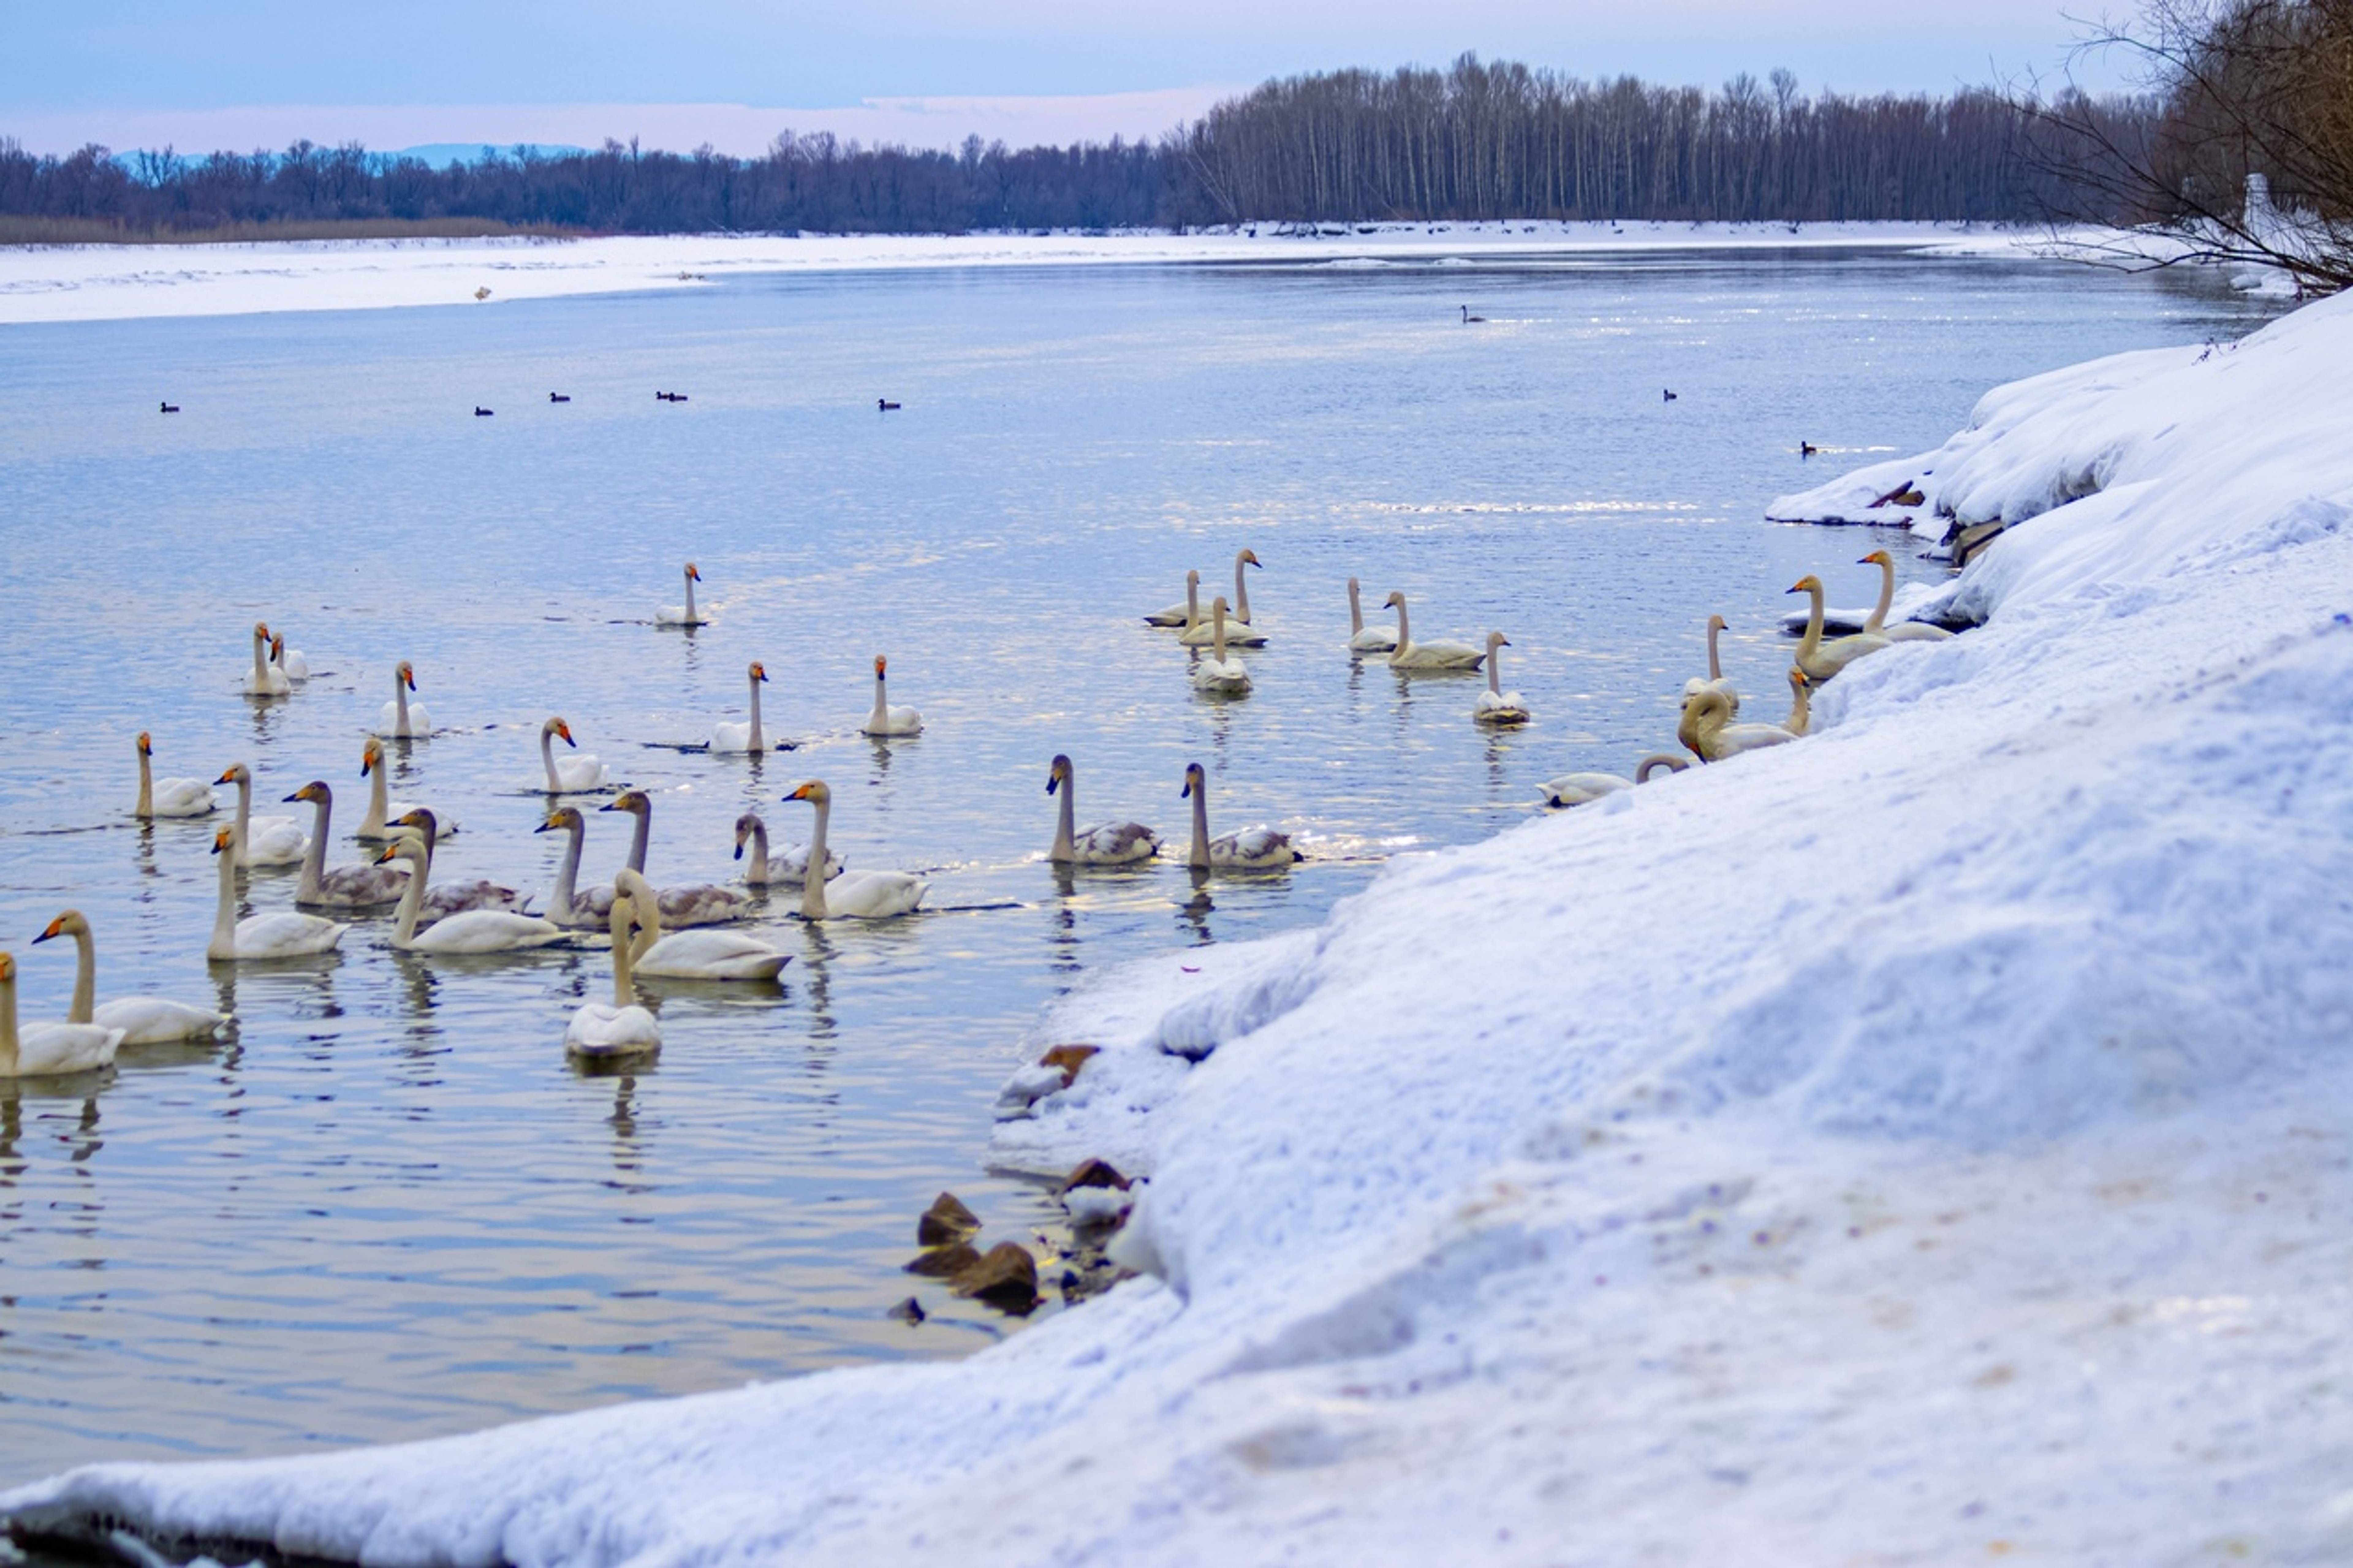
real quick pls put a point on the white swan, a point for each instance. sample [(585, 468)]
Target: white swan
[(787, 869), (886, 719), (704, 954), (401, 720), (1363, 638), (263, 840), (621, 1028), (583, 774), (266, 681), (1902, 631), (1821, 660), (1579, 789), (860, 895), (468, 930), (47, 1050), (345, 887), (143, 1020), (1411, 655), (692, 904), (1260, 849), (280, 933), (734, 737), (1706, 726), (1220, 675), (1105, 843), (383, 811), (1716, 625), (420, 826), (683, 615), (1181, 615), (1495, 705), (1239, 630), (169, 797), (293, 666)]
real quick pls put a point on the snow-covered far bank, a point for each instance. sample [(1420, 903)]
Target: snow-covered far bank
[(107, 282), (1926, 1143)]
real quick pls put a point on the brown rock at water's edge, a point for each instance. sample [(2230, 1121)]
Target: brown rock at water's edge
[(1068, 1058), (1006, 1276), (1095, 1174), (944, 1262), (946, 1221)]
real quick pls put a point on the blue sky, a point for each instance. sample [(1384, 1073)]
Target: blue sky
[(143, 64)]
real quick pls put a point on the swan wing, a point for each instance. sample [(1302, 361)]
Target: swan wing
[(47, 1050), (280, 843), (362, 887), (155, 1020), (284, 934), (1902, 631), (712, 955), (1373, 640), (579, 774), (185, 797), (875, 895), (702, 904), (731, 737), (459, 897), (601, 1029), (485, 931), (1115, 844), (1254, 848), (1577, 789), (790, 867)]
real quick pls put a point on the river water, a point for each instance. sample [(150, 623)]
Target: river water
[(383, 1207)]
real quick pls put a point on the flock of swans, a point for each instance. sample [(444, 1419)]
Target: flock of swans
[(675, 932)]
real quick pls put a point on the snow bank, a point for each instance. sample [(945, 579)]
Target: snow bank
[(103, 282), (1927, 1143)]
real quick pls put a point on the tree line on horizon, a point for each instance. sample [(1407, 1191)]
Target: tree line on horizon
[(1475, 142)]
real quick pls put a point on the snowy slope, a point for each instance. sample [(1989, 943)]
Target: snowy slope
[(1929, 1142)]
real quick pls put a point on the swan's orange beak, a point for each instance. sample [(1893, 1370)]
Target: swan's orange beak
[(228, 775), (220, 841), (55, 928), (410, 676), (879, 663), (693, 573), (146, 744), (800, 793), (389, 851), (564, 729), (759, 672)]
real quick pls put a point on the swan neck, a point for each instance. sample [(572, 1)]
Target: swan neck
[(1655, 762), (623, 958), (880, 717), (1714, 669), (1886, 597), (813, 884), (85, 996), (566, 874), (1241, 590), (1066, 823), (8, 1028), (547, 759), (1356, 610), (412, 902), (758, 872), (1800, 709), (314, 859), (260, 664), (638, 836), (379, 800), (646, 908), (1812, 643), (1495, 671), (690, 598), (756, 742), (146, 807), (400, 704), (1198, 857), (1217, 634), (224, 942), (1404, 633)]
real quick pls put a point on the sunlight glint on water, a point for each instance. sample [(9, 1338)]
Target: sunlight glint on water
[(385, 1208)]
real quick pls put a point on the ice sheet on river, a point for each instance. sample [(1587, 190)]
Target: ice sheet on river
[(1927, 1142)]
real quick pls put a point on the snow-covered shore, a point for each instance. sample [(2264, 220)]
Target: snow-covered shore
[(1927, 1143), (107, 282)]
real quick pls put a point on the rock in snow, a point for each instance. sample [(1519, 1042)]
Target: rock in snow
[(1924, 1143)]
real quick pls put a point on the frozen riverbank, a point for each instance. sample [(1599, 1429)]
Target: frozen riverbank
[(1922, 1143), (104, 282)]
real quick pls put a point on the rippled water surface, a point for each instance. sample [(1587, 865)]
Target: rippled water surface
[(385, 1207)]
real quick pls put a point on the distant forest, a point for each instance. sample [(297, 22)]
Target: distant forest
[(1475, 141)]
